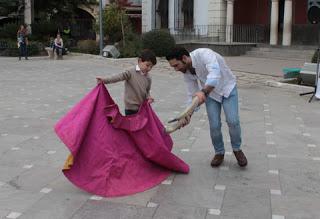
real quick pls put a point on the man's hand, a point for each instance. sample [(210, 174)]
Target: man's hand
[(150, 100), (185, 121), (100, 80), (201, 96)]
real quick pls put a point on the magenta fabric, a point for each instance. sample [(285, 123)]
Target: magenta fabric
[(116, 155)]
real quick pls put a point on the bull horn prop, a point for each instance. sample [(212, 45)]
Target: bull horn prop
[(178, 119)]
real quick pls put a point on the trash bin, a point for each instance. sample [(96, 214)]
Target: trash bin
[(291, 72)]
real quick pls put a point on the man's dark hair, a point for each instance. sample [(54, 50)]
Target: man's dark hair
[(148, 56), (177, 53)]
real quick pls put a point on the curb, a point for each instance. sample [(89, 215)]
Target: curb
[(101, 57), (277, 84)]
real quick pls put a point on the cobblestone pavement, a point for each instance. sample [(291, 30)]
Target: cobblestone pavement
[(280, 138)]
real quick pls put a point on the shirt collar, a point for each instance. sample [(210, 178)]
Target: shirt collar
[(192, 59), (139, 70)]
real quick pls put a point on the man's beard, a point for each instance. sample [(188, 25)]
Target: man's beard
[(184, 70)]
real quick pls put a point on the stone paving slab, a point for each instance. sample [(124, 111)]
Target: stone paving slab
[(170, 211), (292, 206), (280, 139), (96, 209)]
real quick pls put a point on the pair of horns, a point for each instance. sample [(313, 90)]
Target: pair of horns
[(179, 119)]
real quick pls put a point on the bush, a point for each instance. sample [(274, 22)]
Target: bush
[(314, 57), (132, 46), (34, 48), (159, 41), (9, 31), (87, 46)]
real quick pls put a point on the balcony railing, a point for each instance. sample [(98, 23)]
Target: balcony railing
[(304, 34), (222, 33)]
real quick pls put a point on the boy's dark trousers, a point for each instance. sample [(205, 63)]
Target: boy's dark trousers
[(23, 51), (130, 112)]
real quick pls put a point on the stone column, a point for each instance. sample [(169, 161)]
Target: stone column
[(229, 23), (171, 16), (147, 14), (287, 23), (28, 12), (274, 22)]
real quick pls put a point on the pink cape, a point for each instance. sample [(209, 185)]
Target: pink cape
[(114, 155)]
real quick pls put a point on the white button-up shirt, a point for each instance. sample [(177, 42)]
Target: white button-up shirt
[(211, 70), (139, 70)]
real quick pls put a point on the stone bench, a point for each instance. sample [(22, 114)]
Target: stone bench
[(50, 52)]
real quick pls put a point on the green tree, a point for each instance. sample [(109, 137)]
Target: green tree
[(8, 7), (117, 28), (115, 21), (59, 7)]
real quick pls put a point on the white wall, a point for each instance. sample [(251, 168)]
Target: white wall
[(171, 14), (201, 12), (206, 12), (217, 12)]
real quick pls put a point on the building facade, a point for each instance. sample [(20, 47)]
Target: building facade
[(87, 15), (276, 22)]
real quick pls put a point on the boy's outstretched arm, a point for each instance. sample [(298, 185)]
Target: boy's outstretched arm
[(114, 78)]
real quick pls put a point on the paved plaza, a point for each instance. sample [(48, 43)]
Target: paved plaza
[(280, 133)]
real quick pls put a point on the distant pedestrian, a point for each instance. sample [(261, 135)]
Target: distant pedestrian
[(22, 41), (217, 90)]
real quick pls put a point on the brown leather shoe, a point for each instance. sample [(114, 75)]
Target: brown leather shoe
[(241, 158), (217, 160)]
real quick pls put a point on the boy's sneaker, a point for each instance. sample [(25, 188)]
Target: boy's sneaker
[(217, 160), (241, 158)]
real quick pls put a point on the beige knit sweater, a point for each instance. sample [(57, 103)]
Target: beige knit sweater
[(136, 87)]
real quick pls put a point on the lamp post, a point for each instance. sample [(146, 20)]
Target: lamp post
[(100, 27)]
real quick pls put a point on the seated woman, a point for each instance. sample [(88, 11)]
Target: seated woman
[(58, 45)]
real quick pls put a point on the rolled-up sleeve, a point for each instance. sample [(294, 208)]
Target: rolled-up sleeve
[(214, 71)]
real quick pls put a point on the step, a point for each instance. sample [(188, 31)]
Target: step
[(284, 55), (293, 47), (284, 50)]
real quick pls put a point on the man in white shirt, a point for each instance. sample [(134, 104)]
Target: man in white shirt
[(217, 89)]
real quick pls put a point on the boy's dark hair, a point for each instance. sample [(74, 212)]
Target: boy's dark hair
[(177, 53), (147, 55)]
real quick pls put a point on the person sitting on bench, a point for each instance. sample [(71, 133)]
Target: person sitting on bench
[(58, 45)]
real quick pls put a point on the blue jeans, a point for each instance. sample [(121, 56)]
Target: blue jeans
[(230, 108), (23, 50)]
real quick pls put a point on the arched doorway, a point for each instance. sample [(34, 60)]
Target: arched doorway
[(82, 25)]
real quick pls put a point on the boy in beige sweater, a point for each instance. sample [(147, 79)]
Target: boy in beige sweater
[(137, 82)]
